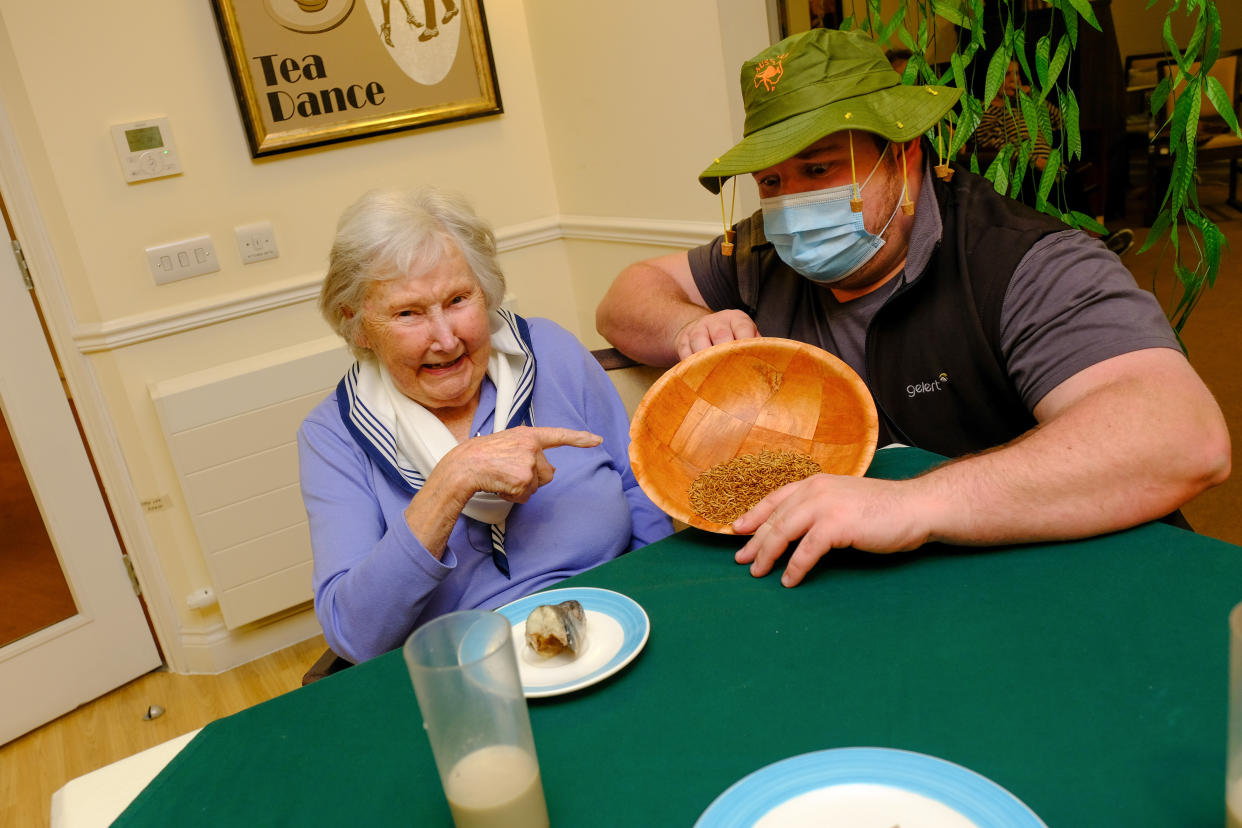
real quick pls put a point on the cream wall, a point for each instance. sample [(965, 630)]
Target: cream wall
[(637, 100), (1139, 28), (591, 166)]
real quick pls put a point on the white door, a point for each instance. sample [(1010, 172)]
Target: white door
[(106, 642)]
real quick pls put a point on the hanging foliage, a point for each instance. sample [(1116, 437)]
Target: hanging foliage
[(1195, 240)]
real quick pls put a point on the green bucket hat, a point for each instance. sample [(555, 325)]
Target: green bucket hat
[(820, 82)]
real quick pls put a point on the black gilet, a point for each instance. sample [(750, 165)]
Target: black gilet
[(934, 364)]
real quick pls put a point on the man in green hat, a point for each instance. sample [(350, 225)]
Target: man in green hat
[(986, 331)]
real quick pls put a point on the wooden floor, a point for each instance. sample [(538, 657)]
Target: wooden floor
[(35, 766)]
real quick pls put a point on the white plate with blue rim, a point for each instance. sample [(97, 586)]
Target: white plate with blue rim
[(617, 630), (867, 787)]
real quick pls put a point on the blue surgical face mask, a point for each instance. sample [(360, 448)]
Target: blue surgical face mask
[(818, 235)]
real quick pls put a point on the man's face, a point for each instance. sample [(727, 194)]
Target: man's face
[(822, 165), (826, 164)]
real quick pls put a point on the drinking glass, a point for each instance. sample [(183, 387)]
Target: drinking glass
[(465, 675), (1233, 766)]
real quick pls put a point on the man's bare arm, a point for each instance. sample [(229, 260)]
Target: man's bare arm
[(1124, 441), (654, 313)]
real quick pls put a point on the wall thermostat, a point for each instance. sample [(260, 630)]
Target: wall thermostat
[(146, 149)]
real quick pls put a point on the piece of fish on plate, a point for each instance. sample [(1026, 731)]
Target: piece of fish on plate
[(554, 628)]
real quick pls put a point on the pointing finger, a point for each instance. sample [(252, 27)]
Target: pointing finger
[(551, 437)]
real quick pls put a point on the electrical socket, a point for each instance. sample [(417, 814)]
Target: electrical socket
[(256, 242), (183, 259)]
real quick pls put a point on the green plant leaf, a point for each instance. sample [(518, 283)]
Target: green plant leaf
[(1212, 49), (998, 170), (1045, 121), (1069, 116), (1055, 67), (1220, 99), (1029, 115), (1191, 52), (1043, 47), (1019, 168), (1169, 42), (1085, 222), (951, 11), (997, 67), (907, 40), (891, 26), (1181, 111), (967, 123), (1019, 49), (1083, 7), (959, 69), (1214, 242), (1071, 25), (847, 25), (1191, 127), (1159, 227), (1181, 179), (1049, 176), (1160, 94)]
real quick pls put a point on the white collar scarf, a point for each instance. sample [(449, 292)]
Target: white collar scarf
[(407, 441)]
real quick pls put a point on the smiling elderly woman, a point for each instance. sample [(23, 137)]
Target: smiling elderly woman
[(428, 476)]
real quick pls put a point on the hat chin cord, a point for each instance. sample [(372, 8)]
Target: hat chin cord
[(726, 246)]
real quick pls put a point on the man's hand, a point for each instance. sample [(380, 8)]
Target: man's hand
[(713, 329), (828, 512)]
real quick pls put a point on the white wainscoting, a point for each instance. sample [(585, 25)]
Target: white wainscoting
[(231, 432)]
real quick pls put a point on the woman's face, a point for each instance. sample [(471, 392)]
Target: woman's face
[(430, 330)]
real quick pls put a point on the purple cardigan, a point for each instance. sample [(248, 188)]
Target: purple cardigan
[(374, 582)]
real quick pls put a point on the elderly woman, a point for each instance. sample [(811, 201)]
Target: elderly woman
[(469, 457)]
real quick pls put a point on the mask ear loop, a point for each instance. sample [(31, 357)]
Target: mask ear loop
[(856, 202), (907, 206), (726, 246)]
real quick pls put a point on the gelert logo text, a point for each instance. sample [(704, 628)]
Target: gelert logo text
[(927, 387)]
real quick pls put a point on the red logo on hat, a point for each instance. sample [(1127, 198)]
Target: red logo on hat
[(769, 72)]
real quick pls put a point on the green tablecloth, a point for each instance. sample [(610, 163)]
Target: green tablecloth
[(1088, 678)]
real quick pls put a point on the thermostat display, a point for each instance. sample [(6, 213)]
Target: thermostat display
[(146, 149)]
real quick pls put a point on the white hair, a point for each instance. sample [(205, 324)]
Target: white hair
[(390, 233)]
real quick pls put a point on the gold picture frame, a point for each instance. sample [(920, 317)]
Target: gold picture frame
[(313, 72)]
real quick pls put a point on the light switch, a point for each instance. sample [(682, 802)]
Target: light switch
[(180, 260)]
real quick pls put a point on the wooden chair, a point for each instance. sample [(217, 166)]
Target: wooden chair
[(632, 379), (1215, 141)]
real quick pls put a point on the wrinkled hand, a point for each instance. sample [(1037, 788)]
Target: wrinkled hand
[(510, 463), (827, 512), (713, 329)]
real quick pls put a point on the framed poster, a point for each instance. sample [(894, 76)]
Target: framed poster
[(312, 72)]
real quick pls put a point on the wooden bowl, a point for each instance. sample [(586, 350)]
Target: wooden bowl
[(741, 398)]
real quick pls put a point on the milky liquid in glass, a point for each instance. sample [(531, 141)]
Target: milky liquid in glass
[(1233, 805), (469, 689), (1233, 762), (496, 787)]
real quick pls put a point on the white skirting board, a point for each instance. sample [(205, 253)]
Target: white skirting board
[(231, 432)]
